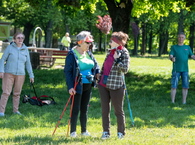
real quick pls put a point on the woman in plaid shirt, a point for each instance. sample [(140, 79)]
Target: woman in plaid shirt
[(112, 86)]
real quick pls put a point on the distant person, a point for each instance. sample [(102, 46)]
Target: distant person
[(81, 62), (66, 42), (179, 55), (13, 63), (112, 85)]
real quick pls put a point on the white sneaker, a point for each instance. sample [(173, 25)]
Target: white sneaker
[(105, 135), (2, 114), (73, 134), (85, 133), (120, 135), (18, 113)]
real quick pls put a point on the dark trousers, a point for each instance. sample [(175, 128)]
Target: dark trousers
[(117, 98), (81, 103), (64, 48)]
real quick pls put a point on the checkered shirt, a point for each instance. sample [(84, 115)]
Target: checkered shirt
[(116, 77)]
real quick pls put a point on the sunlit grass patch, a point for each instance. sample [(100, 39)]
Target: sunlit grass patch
[(157, 120)]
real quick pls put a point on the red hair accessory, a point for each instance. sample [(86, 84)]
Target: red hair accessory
[(116, 40)]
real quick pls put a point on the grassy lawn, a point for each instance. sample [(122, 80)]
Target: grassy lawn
[(157, 121)]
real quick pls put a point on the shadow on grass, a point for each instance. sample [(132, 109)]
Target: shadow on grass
[(149, 97), (152, 57), (151, 104), (31, 140)]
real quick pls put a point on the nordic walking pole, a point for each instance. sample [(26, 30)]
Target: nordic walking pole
[(61, 115), (76, 82), (70, 115), (128, 102), (129, 107)]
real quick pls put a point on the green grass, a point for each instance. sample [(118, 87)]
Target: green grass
[(157, 121)]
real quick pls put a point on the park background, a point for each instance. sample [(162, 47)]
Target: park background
[(152, 27)]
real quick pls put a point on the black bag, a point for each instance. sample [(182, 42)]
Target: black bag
[(40, 101)]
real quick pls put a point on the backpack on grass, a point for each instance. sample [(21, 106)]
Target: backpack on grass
[(39, 101)]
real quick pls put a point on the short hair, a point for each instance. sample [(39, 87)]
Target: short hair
[(120, 36), (181, 33), (18, 33), (83, 34)]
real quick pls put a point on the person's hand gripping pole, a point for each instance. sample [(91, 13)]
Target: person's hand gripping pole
[(77, 79)]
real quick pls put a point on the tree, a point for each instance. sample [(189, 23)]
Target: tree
[(21, 15), (135, 31), (120, 12), (47, 15), (144, 38), (192, 36), (58, 16), (191, 20)]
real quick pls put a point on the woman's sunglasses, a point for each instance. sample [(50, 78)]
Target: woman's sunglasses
[(88, 42), (20, 38)]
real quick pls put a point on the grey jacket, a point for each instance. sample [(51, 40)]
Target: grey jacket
[(15, 60)]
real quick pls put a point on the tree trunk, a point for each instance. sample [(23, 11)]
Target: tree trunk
[(100, 41), (160, 45), (120, 13), (163, 43), (28, 27), (48, 34), (49, 26), (135, 50), (144, 39), (166, 43), (105, 42), (135, 32), (150, 42), (192, 37)]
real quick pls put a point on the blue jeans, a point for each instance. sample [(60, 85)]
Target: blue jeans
[(175, 79)]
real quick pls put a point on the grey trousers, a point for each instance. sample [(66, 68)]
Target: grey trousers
[(116, 97)]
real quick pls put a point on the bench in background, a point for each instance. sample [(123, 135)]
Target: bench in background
[(50, 60)]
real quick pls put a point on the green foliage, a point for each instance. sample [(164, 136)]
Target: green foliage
[(74, 19), (19, 11), (156, 9)]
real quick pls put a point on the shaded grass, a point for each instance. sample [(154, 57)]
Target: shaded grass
[(157, 121)]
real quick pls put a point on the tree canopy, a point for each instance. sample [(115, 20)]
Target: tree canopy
[(150, 18)]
